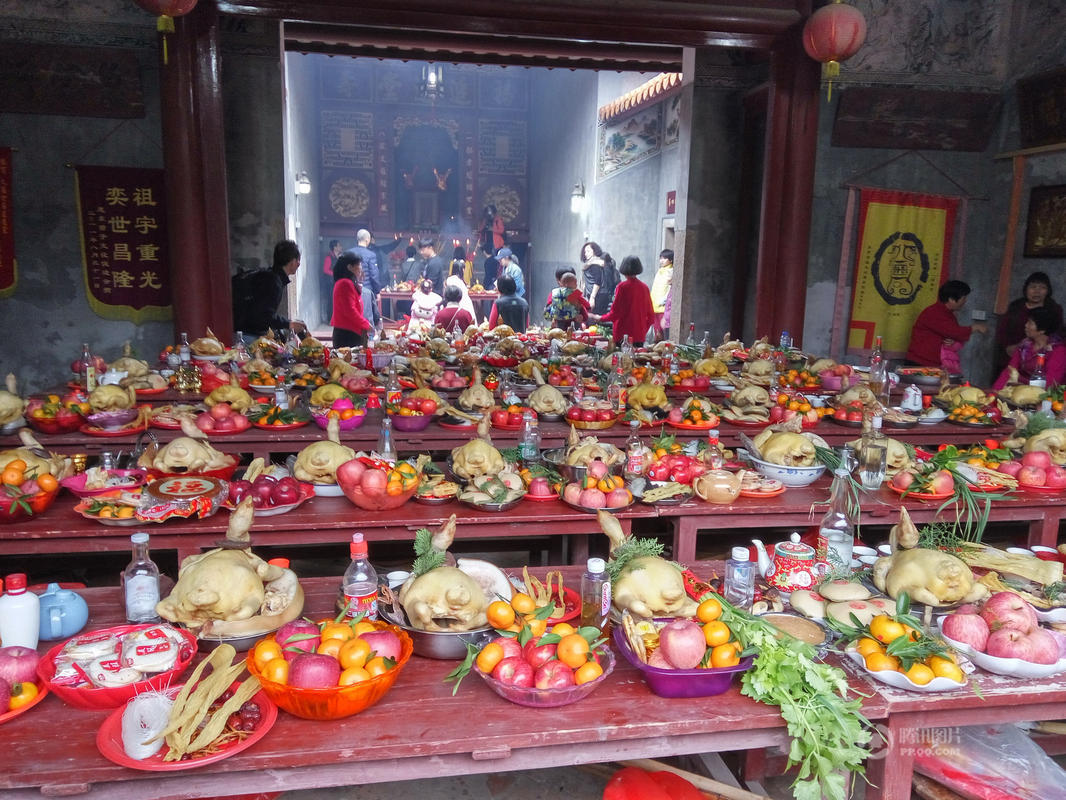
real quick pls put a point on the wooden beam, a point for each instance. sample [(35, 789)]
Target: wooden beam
[(1007, 262), (1043, 150)]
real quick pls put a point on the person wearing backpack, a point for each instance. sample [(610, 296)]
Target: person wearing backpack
[(566, 305), (631, 311), (257, 295), (598, 277)]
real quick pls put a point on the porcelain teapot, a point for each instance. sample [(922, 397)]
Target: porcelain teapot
[(793, 565), (718, 486), (63, 613)]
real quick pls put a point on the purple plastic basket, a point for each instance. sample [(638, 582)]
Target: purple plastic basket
[(411, 424), (681, 682)]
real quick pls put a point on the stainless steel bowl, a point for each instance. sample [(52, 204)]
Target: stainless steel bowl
[(433, 644), (572, 472)]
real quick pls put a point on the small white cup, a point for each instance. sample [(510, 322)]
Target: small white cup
[(868, 561), (884, 549), (397, 578), (862, 550)]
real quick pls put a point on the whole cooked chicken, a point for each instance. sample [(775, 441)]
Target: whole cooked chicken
[(647, 395), (318, 462), (133, 367), (475, 397), (232, 393), (1051, 441), (748, 397), (897, 457), (231, 591), (188, 453), (582, 451), (477, 457), (931, 577), (207, 345), (112, 398), (547, 399), (788, 449), (11, 405), (711, 367), (37, 460), (759, 370)]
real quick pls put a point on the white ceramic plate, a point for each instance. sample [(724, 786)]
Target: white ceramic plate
[(328, 490), (898, 680), (1011, 667), (1054, 615)]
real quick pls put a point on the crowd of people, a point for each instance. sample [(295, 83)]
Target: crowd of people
[(1027, 334)]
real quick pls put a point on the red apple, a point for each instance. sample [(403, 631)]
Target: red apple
[(537, 654), (604, 415), (539, 487), (1008, 610), (1037, 458), (220, 410), (592, 498), (510, 645), (1055, 477), (1011, 468), (675, 415), (573, 413), (1032, 476), (514, 671), (555, 379), (572, 493), (942, 482), (553, 675), (427, 405), (1009, 643), (966, 628), (1044, 649), (500, 417), (350, 473), (618, 498), (205, 421), (597, 469), (588, 415), (777, 413), (902, 480)]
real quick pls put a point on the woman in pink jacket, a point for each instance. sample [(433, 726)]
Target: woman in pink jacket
[(350, 326)]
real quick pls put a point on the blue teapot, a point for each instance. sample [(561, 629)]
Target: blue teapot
[(63, 613)]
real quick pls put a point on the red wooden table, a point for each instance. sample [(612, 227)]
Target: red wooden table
[(418, 730), (319, 520)]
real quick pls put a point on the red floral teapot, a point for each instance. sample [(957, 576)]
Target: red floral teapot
[(793, 566)]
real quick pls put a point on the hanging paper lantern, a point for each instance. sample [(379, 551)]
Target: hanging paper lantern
[(167, 10), (834, 33)]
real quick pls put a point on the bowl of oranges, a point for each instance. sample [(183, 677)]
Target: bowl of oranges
[(24, 493)]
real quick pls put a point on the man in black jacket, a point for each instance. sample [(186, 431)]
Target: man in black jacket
[(257, 312)]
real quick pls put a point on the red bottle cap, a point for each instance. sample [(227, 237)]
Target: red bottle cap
[(16, 583), (279, 562)]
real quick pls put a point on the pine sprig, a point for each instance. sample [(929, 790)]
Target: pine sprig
[(630, 549), (427, 558)]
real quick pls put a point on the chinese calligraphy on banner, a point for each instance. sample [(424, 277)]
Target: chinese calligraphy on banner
[(124, 242), (8, 275), (904, 245)]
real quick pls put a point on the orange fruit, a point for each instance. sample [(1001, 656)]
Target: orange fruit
[(276, 671), (725, 655), (589, 671), (376, 666), (876, 662), (16, 463), (353, 675), (572, 650), (363, 626), (563, 628), (709, 610), (716, 633), (500, 614), (125, 512), (11, 476), (265, 651), (337, 630), (353, 653), (537, 626), (946, 668), (330, 647), (919, 673), (885, 629), (522, 603), (47, 482), (394, 488), (866, 645), (490, 655)]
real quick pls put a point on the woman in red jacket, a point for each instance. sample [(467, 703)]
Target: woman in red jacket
[(349, 324), (631, 312)]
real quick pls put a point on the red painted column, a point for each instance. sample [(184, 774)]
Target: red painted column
[(195, 163), (788, 191)]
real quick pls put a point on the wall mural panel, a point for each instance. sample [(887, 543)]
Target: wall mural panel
[(503, 91), (347, 196), (918, 40), (671, 119), (628, 141), (347, 139), (502, 146), (347, 80)]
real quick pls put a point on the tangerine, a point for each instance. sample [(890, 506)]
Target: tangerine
[(337, 630), (587, 672), (47, 482), (490, 655), (363, 626), (11, 476), (866, 645), (377, 666), (946, 668), (716, 633), (276, 671), (353, 675), (563, 628), (522, 603), (876, 662), (919, 673), (537, 627), (725, 655), (885, 629), (264, 652), (330, 647), (354, 653), (572, 650), (709, 610), (500, 614)]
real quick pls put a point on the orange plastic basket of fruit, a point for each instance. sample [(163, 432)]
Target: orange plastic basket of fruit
[(340, 701)]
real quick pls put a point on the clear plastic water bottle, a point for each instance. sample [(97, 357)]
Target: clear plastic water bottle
[(386, 448), (740, 579), (184, 351), (529, 441), (595, 594), (140, 582), (360, 583), (786, 341)]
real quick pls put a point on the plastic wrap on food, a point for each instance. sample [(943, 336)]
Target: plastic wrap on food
[(109, 671), (153, 649)]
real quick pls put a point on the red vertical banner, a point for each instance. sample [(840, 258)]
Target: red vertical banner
[(123, 220), (8, 272)]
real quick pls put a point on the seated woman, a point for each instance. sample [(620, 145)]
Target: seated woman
[(1010, 327), (350, 325), (1040, 339), (509, 308), (424, 305), (453, 315)]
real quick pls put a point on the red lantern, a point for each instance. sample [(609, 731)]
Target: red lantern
[(834, 33), (167, 10)]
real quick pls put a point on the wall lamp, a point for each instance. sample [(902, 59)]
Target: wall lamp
[(577, 198), (303, 183)]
